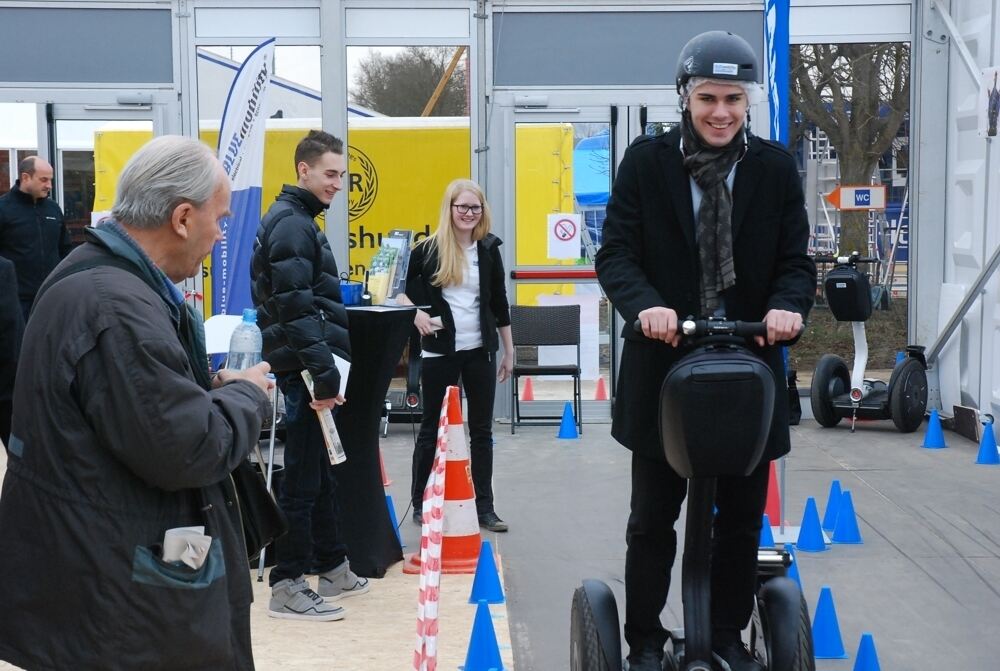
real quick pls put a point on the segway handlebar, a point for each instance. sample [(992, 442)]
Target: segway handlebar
[(700, 328), (842, 260)]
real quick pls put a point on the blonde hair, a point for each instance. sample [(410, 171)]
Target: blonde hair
[(451, 256)]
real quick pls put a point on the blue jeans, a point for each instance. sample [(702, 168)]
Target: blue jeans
[(308, 492)]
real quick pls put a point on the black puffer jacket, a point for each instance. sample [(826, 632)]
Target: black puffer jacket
[(296, 290), (33, 236)]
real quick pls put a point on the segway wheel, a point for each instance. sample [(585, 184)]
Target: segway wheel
[(831, 379), (781, 630), (908, 395), (593, 636)]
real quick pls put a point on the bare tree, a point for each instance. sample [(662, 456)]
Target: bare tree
[(401, 84), (859, 95)]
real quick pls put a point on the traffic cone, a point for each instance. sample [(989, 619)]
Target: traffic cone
[(381, 465), (601, 393), (392, 518), (867, 659), (486, 585), (827, 643), (773, 506), (766, 535), (528, 393), (811, 534), (460, 534), (988, 447), (832, 506), (567, 428), (934, 438), (793, 569), (847, 530), (900, 357), (484, 651)]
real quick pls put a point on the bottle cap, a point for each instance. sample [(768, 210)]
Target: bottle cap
[(250, 315)]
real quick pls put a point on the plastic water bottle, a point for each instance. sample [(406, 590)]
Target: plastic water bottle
[(246, 343)]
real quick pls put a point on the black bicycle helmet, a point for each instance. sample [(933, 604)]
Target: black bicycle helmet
[(716, 54)]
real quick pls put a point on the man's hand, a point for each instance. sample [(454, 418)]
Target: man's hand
[(256, 375), (327, 403), (781, 325), (660, 324)]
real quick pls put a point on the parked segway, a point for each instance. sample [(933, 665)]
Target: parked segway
[(720, 372), (837, 393)]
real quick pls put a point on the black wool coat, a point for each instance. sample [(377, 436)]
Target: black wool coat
[(649, 257)]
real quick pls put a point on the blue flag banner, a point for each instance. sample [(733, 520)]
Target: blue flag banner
[(241, 151), (777, 41)]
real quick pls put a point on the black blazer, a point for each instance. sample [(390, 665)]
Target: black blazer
[(649, 257), (494, 310)]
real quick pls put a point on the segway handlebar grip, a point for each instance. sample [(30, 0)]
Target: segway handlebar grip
[(700, 328)]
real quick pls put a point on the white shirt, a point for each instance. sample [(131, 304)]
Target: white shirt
[(463, 299)]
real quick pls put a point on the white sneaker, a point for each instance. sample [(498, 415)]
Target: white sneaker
[(295, 600), (341, 582)]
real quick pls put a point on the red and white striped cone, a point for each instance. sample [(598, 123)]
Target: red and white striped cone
[(461, 539), (429, 564)]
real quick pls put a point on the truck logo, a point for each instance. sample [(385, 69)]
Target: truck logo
[(363, 183)]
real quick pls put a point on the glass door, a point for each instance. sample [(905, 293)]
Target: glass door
[(558, 172), (88, 145)]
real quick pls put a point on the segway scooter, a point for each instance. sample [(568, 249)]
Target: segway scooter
[(837, 393), (720, 372)]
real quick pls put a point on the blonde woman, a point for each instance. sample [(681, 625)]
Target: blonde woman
[(458, 272)]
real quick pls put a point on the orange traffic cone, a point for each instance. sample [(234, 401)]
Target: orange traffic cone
[(773, 506), (381, 464), (601, 394), (528, 394), (461, 539)]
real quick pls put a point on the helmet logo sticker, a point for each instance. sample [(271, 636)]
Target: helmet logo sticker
[(689, 64), (729, 69)]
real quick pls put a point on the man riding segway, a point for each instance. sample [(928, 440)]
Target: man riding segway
[(706, 220)]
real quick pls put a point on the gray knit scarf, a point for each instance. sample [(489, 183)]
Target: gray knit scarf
[(709, 167)]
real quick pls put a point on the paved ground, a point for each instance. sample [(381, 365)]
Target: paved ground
[(925, 581)]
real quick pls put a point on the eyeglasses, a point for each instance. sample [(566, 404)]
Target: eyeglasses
[(465, 209)]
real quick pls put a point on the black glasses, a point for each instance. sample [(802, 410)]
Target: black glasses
[(465, 209)]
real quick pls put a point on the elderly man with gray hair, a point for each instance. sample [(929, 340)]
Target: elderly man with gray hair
[(119, 435)]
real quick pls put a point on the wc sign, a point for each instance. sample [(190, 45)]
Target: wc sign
[(871, 197)]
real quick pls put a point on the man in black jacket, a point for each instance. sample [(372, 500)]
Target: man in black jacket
[(32, 232), (705, 220), (296, 289)]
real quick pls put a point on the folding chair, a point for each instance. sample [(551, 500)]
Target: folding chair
[(533, 326)]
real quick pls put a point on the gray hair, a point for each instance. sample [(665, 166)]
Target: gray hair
[(752, 89), (165, 172)]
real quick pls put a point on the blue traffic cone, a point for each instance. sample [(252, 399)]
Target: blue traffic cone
[(847, 530), (934, 437), (567, 428), (793, 569), (832, 506), (766, 535), (988, 447), (486, 585), (810, 533), (827, 643), (392, 518), (867, 659), (484, 651), (900, 356)]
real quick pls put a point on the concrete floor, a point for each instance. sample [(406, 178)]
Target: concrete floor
[(924, 582)]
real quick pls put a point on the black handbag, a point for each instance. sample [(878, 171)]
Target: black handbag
[(263, 520)]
